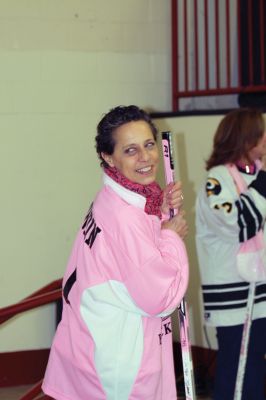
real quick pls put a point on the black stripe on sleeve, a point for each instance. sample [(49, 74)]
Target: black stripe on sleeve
[(260, 288), (231, 296), (240, 222), (226, 296), (260, 299), (260, 294), (259, 183), (249, 218), (255, 210), (226, 286), (230, 306)]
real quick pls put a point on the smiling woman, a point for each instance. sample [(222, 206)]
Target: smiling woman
[(136, 153), (127, 273)]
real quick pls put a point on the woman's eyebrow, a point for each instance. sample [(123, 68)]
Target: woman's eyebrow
[(129, 144), (137, 144)]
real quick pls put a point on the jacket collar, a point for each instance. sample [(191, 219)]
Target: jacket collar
[(130, 197)]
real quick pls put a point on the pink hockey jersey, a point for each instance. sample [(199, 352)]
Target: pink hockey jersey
[(124, 278)]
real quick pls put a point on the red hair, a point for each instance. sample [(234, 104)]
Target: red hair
[(238, 132)]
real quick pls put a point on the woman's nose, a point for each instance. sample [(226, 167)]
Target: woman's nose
[(143, 155)]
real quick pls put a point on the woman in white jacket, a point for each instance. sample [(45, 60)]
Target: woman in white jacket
[(127, 272), (225, 219)]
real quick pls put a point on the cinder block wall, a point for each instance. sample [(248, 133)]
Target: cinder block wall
[(63, 63)]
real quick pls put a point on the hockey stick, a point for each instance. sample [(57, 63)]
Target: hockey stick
[(240, 187), (182, 310), (244, 343)]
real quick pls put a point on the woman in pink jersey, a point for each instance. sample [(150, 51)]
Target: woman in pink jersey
[(127, 273)]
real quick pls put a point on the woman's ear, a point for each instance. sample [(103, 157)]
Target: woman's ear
[(108, 159)]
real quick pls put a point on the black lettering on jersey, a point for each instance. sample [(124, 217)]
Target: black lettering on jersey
[(160, 338), (167, 328), (226, 206), (213, 187), (90, 229)]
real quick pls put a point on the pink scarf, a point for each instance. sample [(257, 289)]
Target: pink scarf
[(152, 192)]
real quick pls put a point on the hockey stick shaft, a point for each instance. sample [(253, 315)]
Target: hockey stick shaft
[(182, 312), (244, 343)]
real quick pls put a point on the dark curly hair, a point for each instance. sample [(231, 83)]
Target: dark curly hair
[(115, 118)]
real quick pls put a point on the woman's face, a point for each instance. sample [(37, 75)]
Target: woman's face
[(135, 153), (259, 150)]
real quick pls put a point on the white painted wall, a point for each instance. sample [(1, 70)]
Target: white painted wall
[(63, 63)]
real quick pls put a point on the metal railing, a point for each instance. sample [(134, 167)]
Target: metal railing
[(218, 47), (48, 294)]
